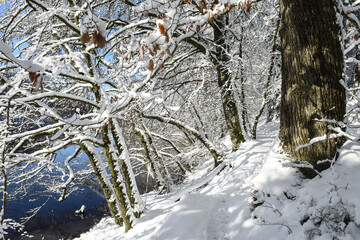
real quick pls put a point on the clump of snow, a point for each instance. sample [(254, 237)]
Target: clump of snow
[(81, 210), (254, 197), (273, 177)]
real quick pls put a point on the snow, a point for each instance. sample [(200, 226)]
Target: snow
[(81, 210), (194, 211), (26, 64), (254, 197)]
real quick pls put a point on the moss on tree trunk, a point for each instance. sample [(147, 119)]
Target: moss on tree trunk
[(116, 180), (106, 189)]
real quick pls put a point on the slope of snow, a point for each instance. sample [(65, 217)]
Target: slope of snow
[(254, 197)]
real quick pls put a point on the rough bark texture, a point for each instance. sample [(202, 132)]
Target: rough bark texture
[(312, 65), (224, 82), (146, 148)]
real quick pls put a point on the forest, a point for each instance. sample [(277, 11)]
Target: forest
[(194, 119)]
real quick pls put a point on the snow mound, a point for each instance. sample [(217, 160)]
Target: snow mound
[(325, 207)]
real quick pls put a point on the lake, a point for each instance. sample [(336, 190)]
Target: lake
[(57, 220)]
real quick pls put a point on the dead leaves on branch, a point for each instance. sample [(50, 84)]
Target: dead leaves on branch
[(37, 80), (203, 6), (163, 31), (151, 65), (85, 37), (168, 52), (94, 36), (162, 28), (206, 7), (247, 6), (98, 39), (93, 29)]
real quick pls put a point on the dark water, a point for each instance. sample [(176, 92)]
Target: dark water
[(57, 220)]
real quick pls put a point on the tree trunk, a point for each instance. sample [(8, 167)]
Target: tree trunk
[(104, 186), (154, 170), (244, 115), (117, 179), (312, 65), (224, 82), (130, 183)]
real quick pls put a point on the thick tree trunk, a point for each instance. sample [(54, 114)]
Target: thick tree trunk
[(312, 65), (224, 82)]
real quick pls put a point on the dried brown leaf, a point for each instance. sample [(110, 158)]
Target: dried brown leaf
[(227, 6), (167, 38), (85, 37), (151, 65), (94, 37), (101, 41), (162, 28), (168, 52), (202, 5)]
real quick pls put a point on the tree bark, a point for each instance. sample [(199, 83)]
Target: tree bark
[(104, 186), (146, 147), (117, 180), (312, 65), (124, 168), (224, 82)]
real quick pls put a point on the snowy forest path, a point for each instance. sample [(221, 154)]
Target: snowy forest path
[(234, 187), (211, 205), (215, 211)]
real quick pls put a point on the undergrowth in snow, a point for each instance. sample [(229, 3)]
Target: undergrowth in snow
[(254, 197)]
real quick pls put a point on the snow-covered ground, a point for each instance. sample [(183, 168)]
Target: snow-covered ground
[(254, 197)]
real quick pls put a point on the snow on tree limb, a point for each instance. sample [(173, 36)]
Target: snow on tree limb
[(25, 64)]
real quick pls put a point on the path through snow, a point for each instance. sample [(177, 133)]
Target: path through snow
[(233, 188), (219, 211)]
